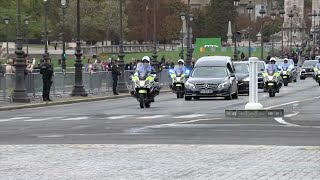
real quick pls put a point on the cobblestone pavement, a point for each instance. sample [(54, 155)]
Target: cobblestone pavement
[(158, 162)]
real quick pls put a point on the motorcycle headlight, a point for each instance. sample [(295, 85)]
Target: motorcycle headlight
[(142, 83), (222, 85), (178, 79), (246, 79), (189, 85), (284, 72), (270, 78)]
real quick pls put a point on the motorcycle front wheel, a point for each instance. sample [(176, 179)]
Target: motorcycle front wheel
[(178, 92), (141, 101), (271, 92)]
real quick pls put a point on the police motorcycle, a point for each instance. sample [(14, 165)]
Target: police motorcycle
[(272, 81), (316, 71), (179, 77), (145, 87), (286, 73)]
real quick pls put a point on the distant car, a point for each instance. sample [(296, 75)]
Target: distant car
[(307, 69), (293, 73), (261, 69), (242, 74), (212, 76)]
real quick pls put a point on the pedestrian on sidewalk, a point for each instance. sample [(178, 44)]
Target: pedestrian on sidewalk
[(115, 73), (47, 73)]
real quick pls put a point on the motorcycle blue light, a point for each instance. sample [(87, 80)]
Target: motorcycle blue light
[(171, 71), (187, 71)]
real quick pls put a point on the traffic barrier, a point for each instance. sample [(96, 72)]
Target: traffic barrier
[(63, 82)]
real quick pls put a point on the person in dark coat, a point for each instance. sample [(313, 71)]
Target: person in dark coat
[(115, 73), (47, 72)]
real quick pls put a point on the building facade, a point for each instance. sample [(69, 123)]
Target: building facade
[(197, 3)]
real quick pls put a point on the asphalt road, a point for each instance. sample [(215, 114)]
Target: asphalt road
[(170, 121)]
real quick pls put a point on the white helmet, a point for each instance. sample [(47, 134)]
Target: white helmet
[(181, 60), (147, 58), (273, 59)]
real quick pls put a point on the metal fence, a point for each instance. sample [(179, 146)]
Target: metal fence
[(63, 82)]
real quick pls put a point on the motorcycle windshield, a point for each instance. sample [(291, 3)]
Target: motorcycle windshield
[(285, 68), (270, 72), (142, 75), (179, 71)]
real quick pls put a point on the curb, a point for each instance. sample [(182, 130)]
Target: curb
[(73, 101), (254, 113)]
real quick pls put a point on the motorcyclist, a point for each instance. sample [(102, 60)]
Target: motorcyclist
[(272, 65), (147, 69), (180, 67), (286, 65), (318, 64)]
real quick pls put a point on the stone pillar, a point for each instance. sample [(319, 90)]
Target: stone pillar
[(298, 22)]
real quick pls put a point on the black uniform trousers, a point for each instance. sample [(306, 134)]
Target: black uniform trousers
[(46, 89), (114, 84)]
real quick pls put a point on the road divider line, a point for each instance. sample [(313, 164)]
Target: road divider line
[(281, 121), (120, 117), (291, 115), (292, 102), (190, 116), (15, 118), (75, 119), (196, 120), (152, 117), (43, 119)]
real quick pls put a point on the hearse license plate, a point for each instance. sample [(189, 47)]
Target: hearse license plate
[(206, 91)]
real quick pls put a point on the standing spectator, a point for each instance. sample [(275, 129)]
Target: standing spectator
[(242, 56), (89, 66), (163, 60), (98, 66), (47, 72), (55, 46), (115, 73), (10, 69)]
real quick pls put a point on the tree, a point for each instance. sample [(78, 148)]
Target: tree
[(219, 13)]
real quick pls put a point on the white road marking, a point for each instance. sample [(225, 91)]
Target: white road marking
[(43, 119), (15, 118), (75, 119), (190, 116), (281, 121), (120, 117), (293, 102), (51, 136), (279, 105), (152, 117), (196, 120), (291, 115)]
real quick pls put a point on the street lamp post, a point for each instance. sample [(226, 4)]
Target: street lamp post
[(189, 19), (121, 83), (235, 53), (183, 18), (319, 29), (291, 17), (155, 63), (19, 94), (64, 5), (45, 28), (78, 89), (6, 21), (262, 12), (273, 17), (282, 12), (250, 9), (26, 22), (314, 15)]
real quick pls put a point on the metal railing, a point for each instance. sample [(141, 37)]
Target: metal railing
[(63, 82)]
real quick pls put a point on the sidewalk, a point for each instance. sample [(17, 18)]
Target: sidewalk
[(7, 106)]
